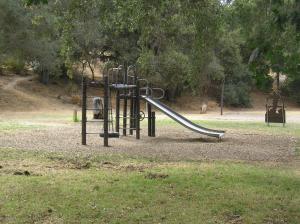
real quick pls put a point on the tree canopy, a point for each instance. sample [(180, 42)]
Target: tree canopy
[(180, 45)]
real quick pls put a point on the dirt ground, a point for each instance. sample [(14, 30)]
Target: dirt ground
[(172, 143)]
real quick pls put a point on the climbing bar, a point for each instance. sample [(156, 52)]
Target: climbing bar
[(83, 112), (98, 121), (128, 128), (105, 124)]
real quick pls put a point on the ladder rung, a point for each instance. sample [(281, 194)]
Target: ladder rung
[(128, 117), (99, 121), (128, 128), (93, 96), (110, 108)]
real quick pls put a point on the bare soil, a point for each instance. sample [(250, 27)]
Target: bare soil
[(172, 143), (25, 93)]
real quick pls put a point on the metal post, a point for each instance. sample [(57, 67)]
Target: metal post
[(118, 111), (75, 118), (134, 102), (149, 119), (153, 124), (125, 92), (105, 124), (83, 112), (131, 114), (125, 113), (267, 112), (137, 115)]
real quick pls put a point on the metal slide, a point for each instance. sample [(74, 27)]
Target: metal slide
[(182, 120)]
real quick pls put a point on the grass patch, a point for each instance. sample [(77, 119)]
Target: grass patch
[(290, 128), (13, 126), (46, 187), (59, 117), (108, 192)]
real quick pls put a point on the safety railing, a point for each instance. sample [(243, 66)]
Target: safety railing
[(150, 92)]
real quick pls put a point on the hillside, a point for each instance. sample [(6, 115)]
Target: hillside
[(26, 93)]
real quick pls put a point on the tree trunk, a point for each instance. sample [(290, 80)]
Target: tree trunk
[(222, 96), (92, 70), (277, 81)]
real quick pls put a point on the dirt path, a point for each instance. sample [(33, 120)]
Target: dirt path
[(13, 88), (25, 94)]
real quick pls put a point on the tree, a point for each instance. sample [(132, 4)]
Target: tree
[(271, 33), (27, 36)]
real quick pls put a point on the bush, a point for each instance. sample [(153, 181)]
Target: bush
[(293, 89), (237, 95), (264, 82), (14, 65), (168, 70)]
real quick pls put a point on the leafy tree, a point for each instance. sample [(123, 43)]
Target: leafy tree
[(236, 74), (180, 45), (271, 33), (27, 36)]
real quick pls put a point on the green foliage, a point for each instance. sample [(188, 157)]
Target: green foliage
[(168, 70), (236, 74), (13, 64), (27, 36), (293, 89), (263, 82), (15, 29), (35, 2), (237, 95), (271, 33), (178, 44)]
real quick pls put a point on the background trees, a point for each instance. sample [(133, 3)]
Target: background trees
[(270, 30), (177, 44)]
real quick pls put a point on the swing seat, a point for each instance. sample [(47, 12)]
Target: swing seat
[(111, 135)]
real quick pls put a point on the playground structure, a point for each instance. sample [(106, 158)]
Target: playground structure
[(130, 89), (275, 109)]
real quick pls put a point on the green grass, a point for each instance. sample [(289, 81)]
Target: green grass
[(289, 129), (13, 126), (81, 188), (118, 189)]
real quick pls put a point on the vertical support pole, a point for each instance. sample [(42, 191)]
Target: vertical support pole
[(125, 113), (125, 92), (267, 112), (75, 118), (118, 111), (105, 123), (153, 118), (83, 112), (131, 113), (134, 102), (149, 109), (137, 115)]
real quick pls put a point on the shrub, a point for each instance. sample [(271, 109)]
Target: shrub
[(237, 95), (14, 65)]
